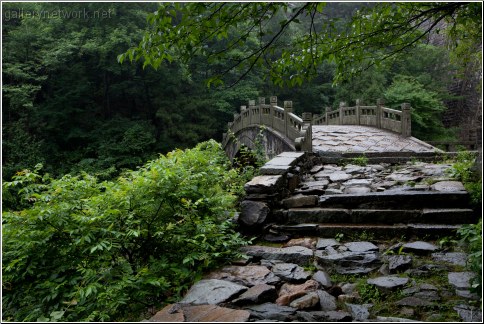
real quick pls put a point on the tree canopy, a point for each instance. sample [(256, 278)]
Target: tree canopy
[(372, 34)]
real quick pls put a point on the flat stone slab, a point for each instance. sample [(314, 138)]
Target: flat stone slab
[(249, 276), (419, 247), (448, 186), (460, 280), (323, 243), (263, 184), (292, 254), (457, 258), (388, 283), (257, 294), (270, 311), (323, 278), (199, 313), (361, 246), (212, 291), (290, 272)]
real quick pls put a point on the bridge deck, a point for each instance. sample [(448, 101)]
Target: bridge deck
[(335, 138)]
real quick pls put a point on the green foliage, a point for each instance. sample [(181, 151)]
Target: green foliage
[(426, 107), (78, 249), (471, 235), (368, 293), (360, 160), (463, 169)]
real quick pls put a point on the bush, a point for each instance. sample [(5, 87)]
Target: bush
[(85, 250)]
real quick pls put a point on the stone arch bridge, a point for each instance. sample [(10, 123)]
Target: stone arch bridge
[(347, 131)]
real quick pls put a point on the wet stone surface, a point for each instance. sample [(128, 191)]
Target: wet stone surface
[(337, 287)]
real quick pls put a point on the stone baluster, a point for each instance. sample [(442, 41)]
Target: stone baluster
[(379, 112), (287, 110), (307, 118), (342, 104), (328, 109), (358, 111), (406, 120), (262, 102)]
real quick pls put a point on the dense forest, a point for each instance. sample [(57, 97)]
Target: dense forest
[(93, 91)]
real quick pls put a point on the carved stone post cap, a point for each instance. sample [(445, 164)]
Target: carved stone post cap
[(274, 100), (262, 100), (358, 102), (380, 102), (288, 105), (342, 104), (406, 106), (307, 117), (242, 108), (251, 103)]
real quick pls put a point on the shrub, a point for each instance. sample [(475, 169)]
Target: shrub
[(85, 250)]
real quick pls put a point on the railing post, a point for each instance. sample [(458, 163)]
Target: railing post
[(287, 110), (307, 120), (271, 109), (379, 105), (406, 120), (341, 105), (327, 115), (262, 102), (358, 112)]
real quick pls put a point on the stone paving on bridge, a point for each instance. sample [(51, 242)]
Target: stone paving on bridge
[(335, 138)]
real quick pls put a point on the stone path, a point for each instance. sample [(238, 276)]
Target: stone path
[(333, 138), (314, 279)]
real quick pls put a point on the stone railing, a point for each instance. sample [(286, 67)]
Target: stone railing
[(281, 120), (377, 116)]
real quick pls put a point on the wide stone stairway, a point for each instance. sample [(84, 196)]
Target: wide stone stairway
[(302, 196)]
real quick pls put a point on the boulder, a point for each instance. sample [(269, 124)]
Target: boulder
[(266, 184), (269, 311), (256, 295), (249, 276), (307, 301), (290, 272), (289, 292), (253, 212), (323, 278), (359, 312), (398, 263), (212, 291), (326, 301)]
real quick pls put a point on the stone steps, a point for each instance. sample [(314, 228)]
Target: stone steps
[(383, 200), (376, 230), (380, 216)]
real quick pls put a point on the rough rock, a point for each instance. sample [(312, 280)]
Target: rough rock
[(448, 186), (393, 319), (300, 201), (419, 247), (270, 311), (460, 280), (331, 316), (323, 278), (253, 212), (326, 301), (457, 258), (293, 254), (306, 242), (349, 262), (290, 272), (267, 184), (469, 313), (399, 263), (199, 313), (307, 301), (359, 312), (357, 190), (256, 295), (212, 291), (413, 302), (289, 292), (246, 275), (361, 246), (388, 283), (339, 176), (323, 243)]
